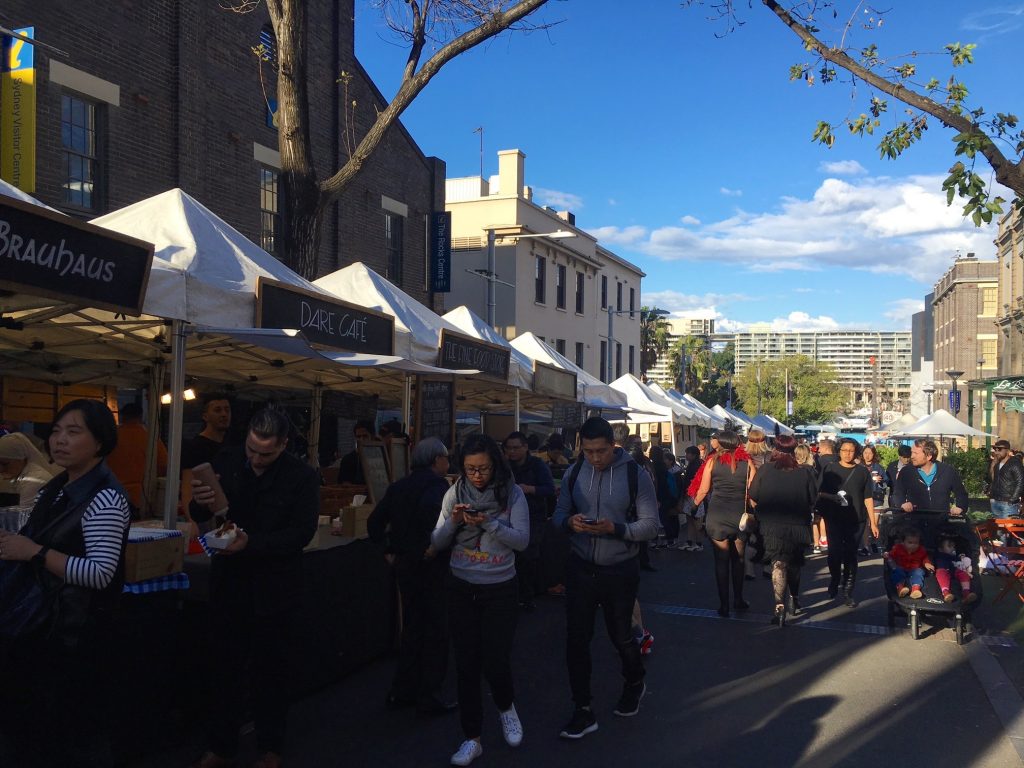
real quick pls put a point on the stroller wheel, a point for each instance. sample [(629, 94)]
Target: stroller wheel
[(915, 625), (959, 629)]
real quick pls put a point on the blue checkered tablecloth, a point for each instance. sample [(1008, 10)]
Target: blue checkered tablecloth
[(160, 584)]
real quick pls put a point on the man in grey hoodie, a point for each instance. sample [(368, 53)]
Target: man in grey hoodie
[(603, 566)]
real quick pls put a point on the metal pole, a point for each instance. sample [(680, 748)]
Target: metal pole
[(989, 405), (407, 408), (178, 339), (516, 416), (315, 410), (759, 385), (491, 277), (149, 479), (608, 357)]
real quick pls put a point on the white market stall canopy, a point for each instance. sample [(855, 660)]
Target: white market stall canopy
[(740, 419), (769, 424), (941, 423), (589, 389), (689, 414), (715, 421)]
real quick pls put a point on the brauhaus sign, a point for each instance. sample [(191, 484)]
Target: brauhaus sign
[(323, 320), (44, 253)]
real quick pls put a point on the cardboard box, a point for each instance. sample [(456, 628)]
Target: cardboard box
[(353, 520), (153, 557)]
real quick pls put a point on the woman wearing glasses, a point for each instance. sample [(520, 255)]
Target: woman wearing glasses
[(484, 520)]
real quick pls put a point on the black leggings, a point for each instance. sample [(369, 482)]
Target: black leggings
[(843, 541), (729, 564)]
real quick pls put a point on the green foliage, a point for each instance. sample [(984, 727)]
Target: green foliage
[(707, 373), (972, 465), (813, 388), (886, 454), (654, 331), (961, 54)]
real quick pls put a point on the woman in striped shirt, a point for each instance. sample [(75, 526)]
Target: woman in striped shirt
[(75, 539)]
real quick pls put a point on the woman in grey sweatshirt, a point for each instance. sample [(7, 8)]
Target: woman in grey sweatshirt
[(484, 520)]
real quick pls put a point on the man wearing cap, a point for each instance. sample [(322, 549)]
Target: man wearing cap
[(1006, 481)]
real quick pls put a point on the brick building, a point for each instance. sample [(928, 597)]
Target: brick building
[(156, 95), (1008, 383), (964, 311)]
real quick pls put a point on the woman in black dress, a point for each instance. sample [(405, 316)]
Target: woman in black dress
[(783, 494), (727, 480), (846, 506)]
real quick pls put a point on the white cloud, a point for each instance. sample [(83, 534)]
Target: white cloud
[(881, 224), (843, 168), (692, 221), (560, 201), (690, 305), (995, 21), (901, 310), (731, 192), (801, 321)]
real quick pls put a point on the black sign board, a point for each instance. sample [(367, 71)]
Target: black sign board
[(43, 253), (553, 382), (436, 410), (460, 352), (329, 322), (373, 458), (566, 415), (441, 252)]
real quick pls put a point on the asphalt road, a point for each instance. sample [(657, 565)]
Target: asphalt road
[(833, 688)]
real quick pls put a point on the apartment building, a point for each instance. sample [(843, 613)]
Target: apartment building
[(850, 353), (965, 310), (678, 328), (562, 288)]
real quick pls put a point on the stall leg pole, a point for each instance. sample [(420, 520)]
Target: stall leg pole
[(178, 339), (156, 382), (517, 410), (315, 409), (407, 406)]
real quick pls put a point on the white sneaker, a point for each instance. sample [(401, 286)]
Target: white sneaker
[(468, 752), (511, 727)]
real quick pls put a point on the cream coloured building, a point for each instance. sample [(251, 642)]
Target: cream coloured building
[(558, 288)]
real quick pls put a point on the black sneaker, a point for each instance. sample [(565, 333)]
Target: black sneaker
[(629, 701), (582, 723)]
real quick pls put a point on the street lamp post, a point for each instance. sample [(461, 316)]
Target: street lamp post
[(955, 404), (929, 390), (490, 274)]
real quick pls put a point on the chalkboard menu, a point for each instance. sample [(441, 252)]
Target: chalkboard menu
[(323, 320), (460, 352), (436, 410), (43, 253), (553, 382), (373, 457), (398, 454), (566, 415)]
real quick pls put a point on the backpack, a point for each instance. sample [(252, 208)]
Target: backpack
[(632, 475)]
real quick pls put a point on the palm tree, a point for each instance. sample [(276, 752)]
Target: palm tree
[(654, 337)]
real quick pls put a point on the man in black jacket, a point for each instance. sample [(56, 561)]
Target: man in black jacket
[(402, 523), (534, 478), (896, 466), (928, 484), (256, 583), (1006, 481)]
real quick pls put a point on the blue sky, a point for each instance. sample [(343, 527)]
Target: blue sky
[(690, 154)]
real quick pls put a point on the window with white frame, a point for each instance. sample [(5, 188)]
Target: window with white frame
[(79, 155)]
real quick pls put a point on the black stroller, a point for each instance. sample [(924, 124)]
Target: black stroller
[(933, 526)]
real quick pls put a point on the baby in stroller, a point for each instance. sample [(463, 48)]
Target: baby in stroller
[(908, 561), (950, 564)]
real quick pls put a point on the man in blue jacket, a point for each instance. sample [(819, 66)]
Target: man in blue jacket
[(928, 484), (608, 506)]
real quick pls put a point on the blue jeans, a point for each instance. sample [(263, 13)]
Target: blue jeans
[(1004, 508), (914, 578)]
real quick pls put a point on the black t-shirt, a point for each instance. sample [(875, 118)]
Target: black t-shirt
[(857, 483), (198, 450)]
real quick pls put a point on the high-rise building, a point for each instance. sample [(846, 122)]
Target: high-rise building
[(862, 359), (678, 328)]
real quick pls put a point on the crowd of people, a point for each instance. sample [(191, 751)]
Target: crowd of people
[(474, 534)]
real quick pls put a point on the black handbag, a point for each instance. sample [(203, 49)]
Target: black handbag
[(28, 600)]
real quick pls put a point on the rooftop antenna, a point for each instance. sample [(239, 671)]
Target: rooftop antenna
[(480, 130)]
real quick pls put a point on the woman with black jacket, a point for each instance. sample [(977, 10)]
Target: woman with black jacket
[(846, 506), (56, 689)]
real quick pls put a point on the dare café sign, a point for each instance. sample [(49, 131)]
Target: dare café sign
[(44, 253), (323, 320)]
